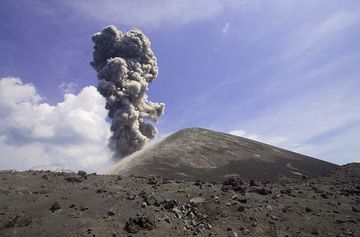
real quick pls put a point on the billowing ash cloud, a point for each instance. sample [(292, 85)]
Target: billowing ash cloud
[(126, 65)]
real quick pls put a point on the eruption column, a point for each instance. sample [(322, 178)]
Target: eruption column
[(125, 66)]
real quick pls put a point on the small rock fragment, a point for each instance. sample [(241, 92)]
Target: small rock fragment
[(169, 204), (84, 208), (44, 176), (55, 206), (197, 200), (242, 200), (252, 183), (241, 208), (18, 221), (111, 213), (315, 232), (348, 232), (134, 224), (152, 180), (72, 179), (82, 174), (263, 191), (233, 184), (150, 200)]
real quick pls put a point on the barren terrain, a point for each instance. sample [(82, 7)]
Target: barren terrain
[(39, 203)]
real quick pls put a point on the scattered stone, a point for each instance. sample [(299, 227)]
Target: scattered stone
[(84, 208), (144, 205), (169, 204), (263, 191), (308, 209), (324, 195), (152, 180), (72, 179), (18, 221), (111, 213), (151, 201), (355, 209), (241, 208), (197, 200), (304, 177), (252, 183), (44, 176), (269, 207), (233, 184), (101, 190), (55, 206), (167, 219), (315, 232), (285, 191), (348, 232), (131, 197), (242, 200), (139, 222), (82, 174)]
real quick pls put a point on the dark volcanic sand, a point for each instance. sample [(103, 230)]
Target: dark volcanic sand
[(64, 204)]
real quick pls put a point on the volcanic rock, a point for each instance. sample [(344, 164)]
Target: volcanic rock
[(134, 224), (113, 212)]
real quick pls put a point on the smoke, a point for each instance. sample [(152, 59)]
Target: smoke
[(125, 65)]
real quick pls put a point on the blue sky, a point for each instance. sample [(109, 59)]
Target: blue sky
[(282, 72)]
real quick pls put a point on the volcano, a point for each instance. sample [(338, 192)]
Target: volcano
[(206, 155)]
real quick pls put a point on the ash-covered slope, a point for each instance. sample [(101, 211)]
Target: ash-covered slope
[(207, 155)]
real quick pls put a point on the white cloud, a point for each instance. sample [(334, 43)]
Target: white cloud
[(275, 141), (226, 27), (148, 13), (68, 87), (324, 123), (242, 133), (72, 134), (319, 35)]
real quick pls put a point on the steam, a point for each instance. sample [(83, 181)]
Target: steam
[(125, 65)]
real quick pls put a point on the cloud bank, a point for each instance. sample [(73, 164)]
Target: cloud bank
[(72, 134)]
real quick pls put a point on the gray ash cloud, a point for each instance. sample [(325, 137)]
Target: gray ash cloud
[(125, 66)]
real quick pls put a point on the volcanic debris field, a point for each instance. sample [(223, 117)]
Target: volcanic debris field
[(43, 203)]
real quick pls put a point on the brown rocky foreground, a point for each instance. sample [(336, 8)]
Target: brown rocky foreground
[(40, 203)]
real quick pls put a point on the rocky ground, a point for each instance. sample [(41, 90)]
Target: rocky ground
[(36, 203)]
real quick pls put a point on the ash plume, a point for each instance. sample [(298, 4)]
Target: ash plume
[(125, 65)]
